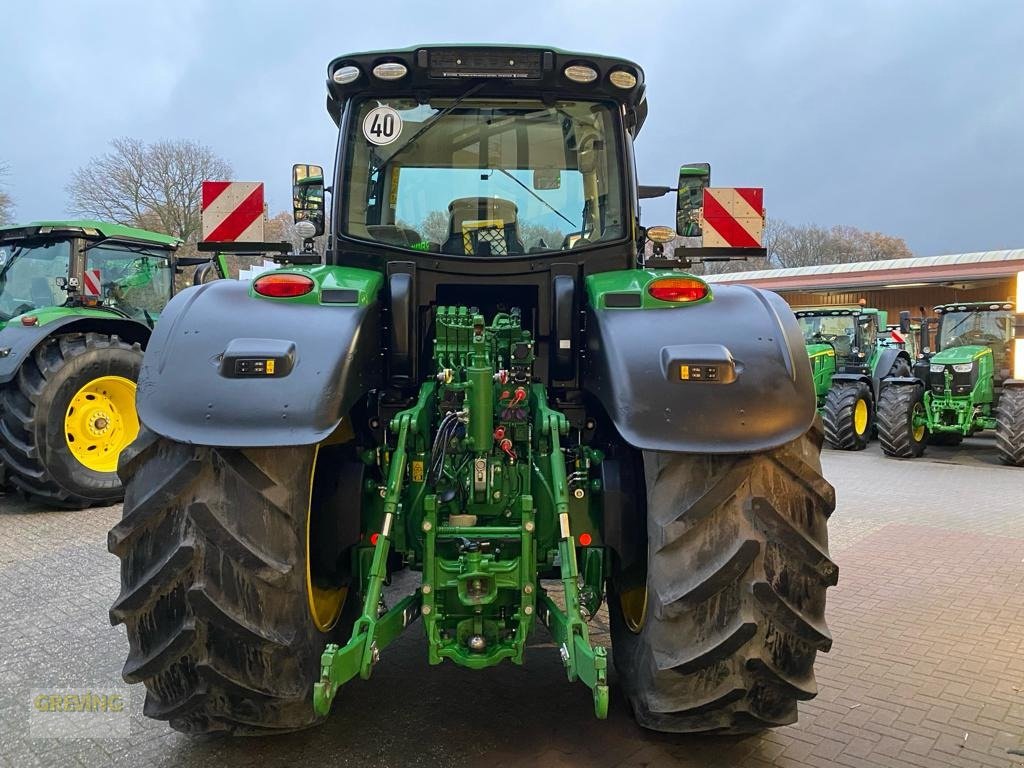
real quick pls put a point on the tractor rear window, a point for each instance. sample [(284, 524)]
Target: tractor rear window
[(491, 178)]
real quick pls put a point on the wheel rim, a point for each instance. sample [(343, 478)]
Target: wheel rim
[(325, 604), (917, 422), (860, 417), (101, 421), (634, 608)]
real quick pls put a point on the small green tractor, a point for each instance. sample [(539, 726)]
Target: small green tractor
[(78, 301), (489, 384), (966, 385), (850, 354)]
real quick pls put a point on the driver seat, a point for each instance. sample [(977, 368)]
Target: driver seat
[(483, 226), (41, 292)]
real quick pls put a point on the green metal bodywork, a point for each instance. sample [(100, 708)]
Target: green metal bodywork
[(363, 284), (823, 366), (967, 413), (636, 282)]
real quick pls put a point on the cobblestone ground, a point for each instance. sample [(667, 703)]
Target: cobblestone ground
[(927, 667)]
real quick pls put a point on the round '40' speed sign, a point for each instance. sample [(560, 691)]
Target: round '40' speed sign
[(382, 125)]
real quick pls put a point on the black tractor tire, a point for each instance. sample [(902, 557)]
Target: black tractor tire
[(1010, 426), (213, 586), (33, 405), (841, 403), (896, 407), (948, 439), (736, 572)]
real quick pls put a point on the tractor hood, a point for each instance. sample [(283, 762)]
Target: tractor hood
[(963, 354), (814, 350)]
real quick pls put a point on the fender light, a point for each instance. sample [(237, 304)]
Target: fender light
[(283, 286), (678, 289)]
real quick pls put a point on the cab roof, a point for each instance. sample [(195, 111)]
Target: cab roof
[(830, 311), (975, 306), (504, 70), (88, 228)]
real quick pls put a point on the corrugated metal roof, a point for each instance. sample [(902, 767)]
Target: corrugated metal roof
[(860, 267)]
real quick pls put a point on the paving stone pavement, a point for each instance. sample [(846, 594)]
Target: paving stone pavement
[(927, 668)]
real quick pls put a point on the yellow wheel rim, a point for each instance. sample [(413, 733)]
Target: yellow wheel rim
[(860, 417), (634, 608), (324, 604), (101, 421), (918, 429)]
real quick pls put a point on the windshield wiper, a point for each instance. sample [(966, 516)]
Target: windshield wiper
[(542, 200), (433, 120)]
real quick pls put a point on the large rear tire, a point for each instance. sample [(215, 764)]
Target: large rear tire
[(1010, 426), (722, 634), (848, 415), (225, 615), (93, 373), (898, 407)]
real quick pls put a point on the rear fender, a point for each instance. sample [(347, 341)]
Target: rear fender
[(18, 341), (886, 359), (763, 393), (205, 377), (855, 378)]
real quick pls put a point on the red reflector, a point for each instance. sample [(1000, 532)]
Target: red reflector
[(373, 538), (586, 539), (30, 320), (678, 289), (283, 286)]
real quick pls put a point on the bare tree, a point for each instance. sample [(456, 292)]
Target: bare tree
[(157, 186), (811, 245), (6, 203), (805, 246)]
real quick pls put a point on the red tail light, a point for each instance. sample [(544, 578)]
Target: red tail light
[(283, 286), (678, 289)]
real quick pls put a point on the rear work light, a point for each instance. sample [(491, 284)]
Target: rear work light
[(678, 289), (282, 286)]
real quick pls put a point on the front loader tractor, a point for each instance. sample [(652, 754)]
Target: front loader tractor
[(485, 385), (850, 354), (78, 301), (965, 386)]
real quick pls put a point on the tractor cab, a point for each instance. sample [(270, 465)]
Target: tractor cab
[(61, 266), (851, 333), (974, 344)]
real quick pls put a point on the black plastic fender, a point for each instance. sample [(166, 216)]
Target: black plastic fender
[(855, 377), (904, 381), (17, 341), (762, 395), (886, 360), (194, 389)]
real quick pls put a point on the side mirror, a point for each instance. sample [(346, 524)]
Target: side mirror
[(308, 195), (693, 178), (905, 322)]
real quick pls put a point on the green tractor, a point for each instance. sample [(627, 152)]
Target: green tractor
[(488, 384), (78, 300), (963, 387), (851, 353)]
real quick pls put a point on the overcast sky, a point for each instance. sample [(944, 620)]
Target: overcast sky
[(901, 117)]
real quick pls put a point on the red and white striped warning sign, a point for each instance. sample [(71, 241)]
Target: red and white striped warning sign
[(233, 211), (733, 217), (92, 283)]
